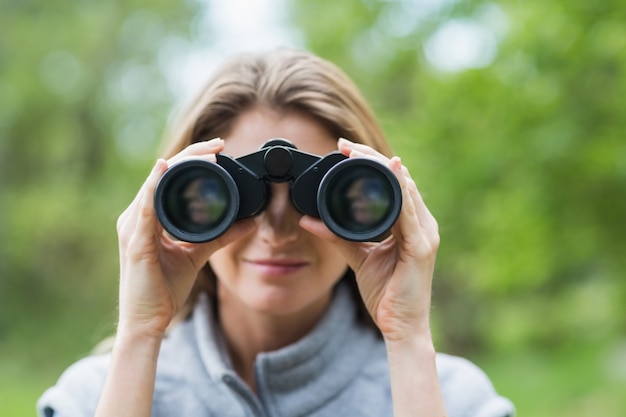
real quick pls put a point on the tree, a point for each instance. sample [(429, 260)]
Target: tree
[(520, 160), (84, 100)]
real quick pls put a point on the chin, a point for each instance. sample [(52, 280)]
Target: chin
[(280, 301)]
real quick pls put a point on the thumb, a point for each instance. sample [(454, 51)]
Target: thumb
[(354, 252), (201, 252)]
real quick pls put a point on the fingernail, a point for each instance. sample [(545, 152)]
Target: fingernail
[(157, 166), (345, 141), (398, 161), (161, 163), (215, 141)]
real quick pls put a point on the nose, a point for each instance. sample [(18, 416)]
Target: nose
[(277, 225)]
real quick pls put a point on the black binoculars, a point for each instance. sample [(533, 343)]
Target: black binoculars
[(358, 199)]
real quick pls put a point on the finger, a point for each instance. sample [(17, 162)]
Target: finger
[(145, 232), (199, 253), (205, 157), (378, 158), (426, 218), (408, 225), (209, 147), (355, 253), (129, 214), (128, 219), (347, 147)]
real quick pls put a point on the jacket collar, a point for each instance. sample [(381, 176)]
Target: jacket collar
[(321, 364)]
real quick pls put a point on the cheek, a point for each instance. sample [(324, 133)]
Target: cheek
[(334, 264), (223, 261)]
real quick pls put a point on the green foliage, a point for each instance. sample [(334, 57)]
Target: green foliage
[(83, 101), (576, 380), (523, 163)]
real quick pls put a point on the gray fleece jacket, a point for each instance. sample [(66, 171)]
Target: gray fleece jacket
[(339, 369)]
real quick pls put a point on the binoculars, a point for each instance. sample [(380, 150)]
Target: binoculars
[(358, 199)]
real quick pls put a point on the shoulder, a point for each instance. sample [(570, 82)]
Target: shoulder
[(77, 391), (467, 390)]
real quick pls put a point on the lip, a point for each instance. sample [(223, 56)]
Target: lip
[(277, 266)]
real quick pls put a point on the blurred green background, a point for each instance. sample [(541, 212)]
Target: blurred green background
[(511, 116)]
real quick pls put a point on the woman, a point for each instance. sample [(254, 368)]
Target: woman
[(278, 316)]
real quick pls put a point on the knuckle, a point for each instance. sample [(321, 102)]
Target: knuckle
[(424, 248), (121, 220), (144, 213), (435, 241), (122, 230), (138, 249)]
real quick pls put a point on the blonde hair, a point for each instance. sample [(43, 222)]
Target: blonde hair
[(282, 80)]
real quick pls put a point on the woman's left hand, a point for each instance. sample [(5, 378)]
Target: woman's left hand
[(394, 276)]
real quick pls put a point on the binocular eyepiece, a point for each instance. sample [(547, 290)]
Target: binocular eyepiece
[(358, 199)]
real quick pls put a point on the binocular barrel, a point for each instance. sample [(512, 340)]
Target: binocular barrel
[(358, 199)]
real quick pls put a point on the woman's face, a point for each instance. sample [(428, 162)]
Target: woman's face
[(279, 269)]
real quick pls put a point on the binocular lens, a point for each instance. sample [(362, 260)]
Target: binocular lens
[(361, 202), (198, 203), (359, 199)]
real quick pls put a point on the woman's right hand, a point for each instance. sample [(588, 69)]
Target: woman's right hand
[(158, 271)]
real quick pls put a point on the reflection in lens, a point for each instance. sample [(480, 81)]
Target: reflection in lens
[(360, 201), (197, 201)]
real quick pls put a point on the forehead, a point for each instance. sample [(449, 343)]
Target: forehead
[(257, 125)]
